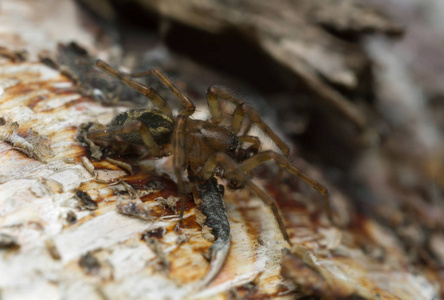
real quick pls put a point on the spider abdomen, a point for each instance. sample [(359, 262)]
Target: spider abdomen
[(159, 124)]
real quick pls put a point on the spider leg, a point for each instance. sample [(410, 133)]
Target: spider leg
[(274, 208), (262, 157), (189, 106), (255, 142), (247, 128), (179, 159), (129, 128), (234, 169), (242, 109), (213, 96), (244, 153), (137, 86)]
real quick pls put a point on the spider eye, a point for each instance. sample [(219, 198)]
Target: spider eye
[(234, 143)]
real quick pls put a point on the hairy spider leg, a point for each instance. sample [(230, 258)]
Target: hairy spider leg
[(234, 169), (189, 106), (262, 157), (251, 150), (247, 128), (137, 86), (144, 132), (242, 109), (179, 158), (253, 140), (213, 95)]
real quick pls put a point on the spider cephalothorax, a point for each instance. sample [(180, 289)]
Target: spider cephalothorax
[(205, 148)]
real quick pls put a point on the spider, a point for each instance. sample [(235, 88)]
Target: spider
[(204, 148)]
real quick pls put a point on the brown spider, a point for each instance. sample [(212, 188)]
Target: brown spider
[(204, 147)]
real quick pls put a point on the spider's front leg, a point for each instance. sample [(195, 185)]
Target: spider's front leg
[(189, 106), (262, 157), (235, 172), (137, 86), (244, 153), (242, 109)]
